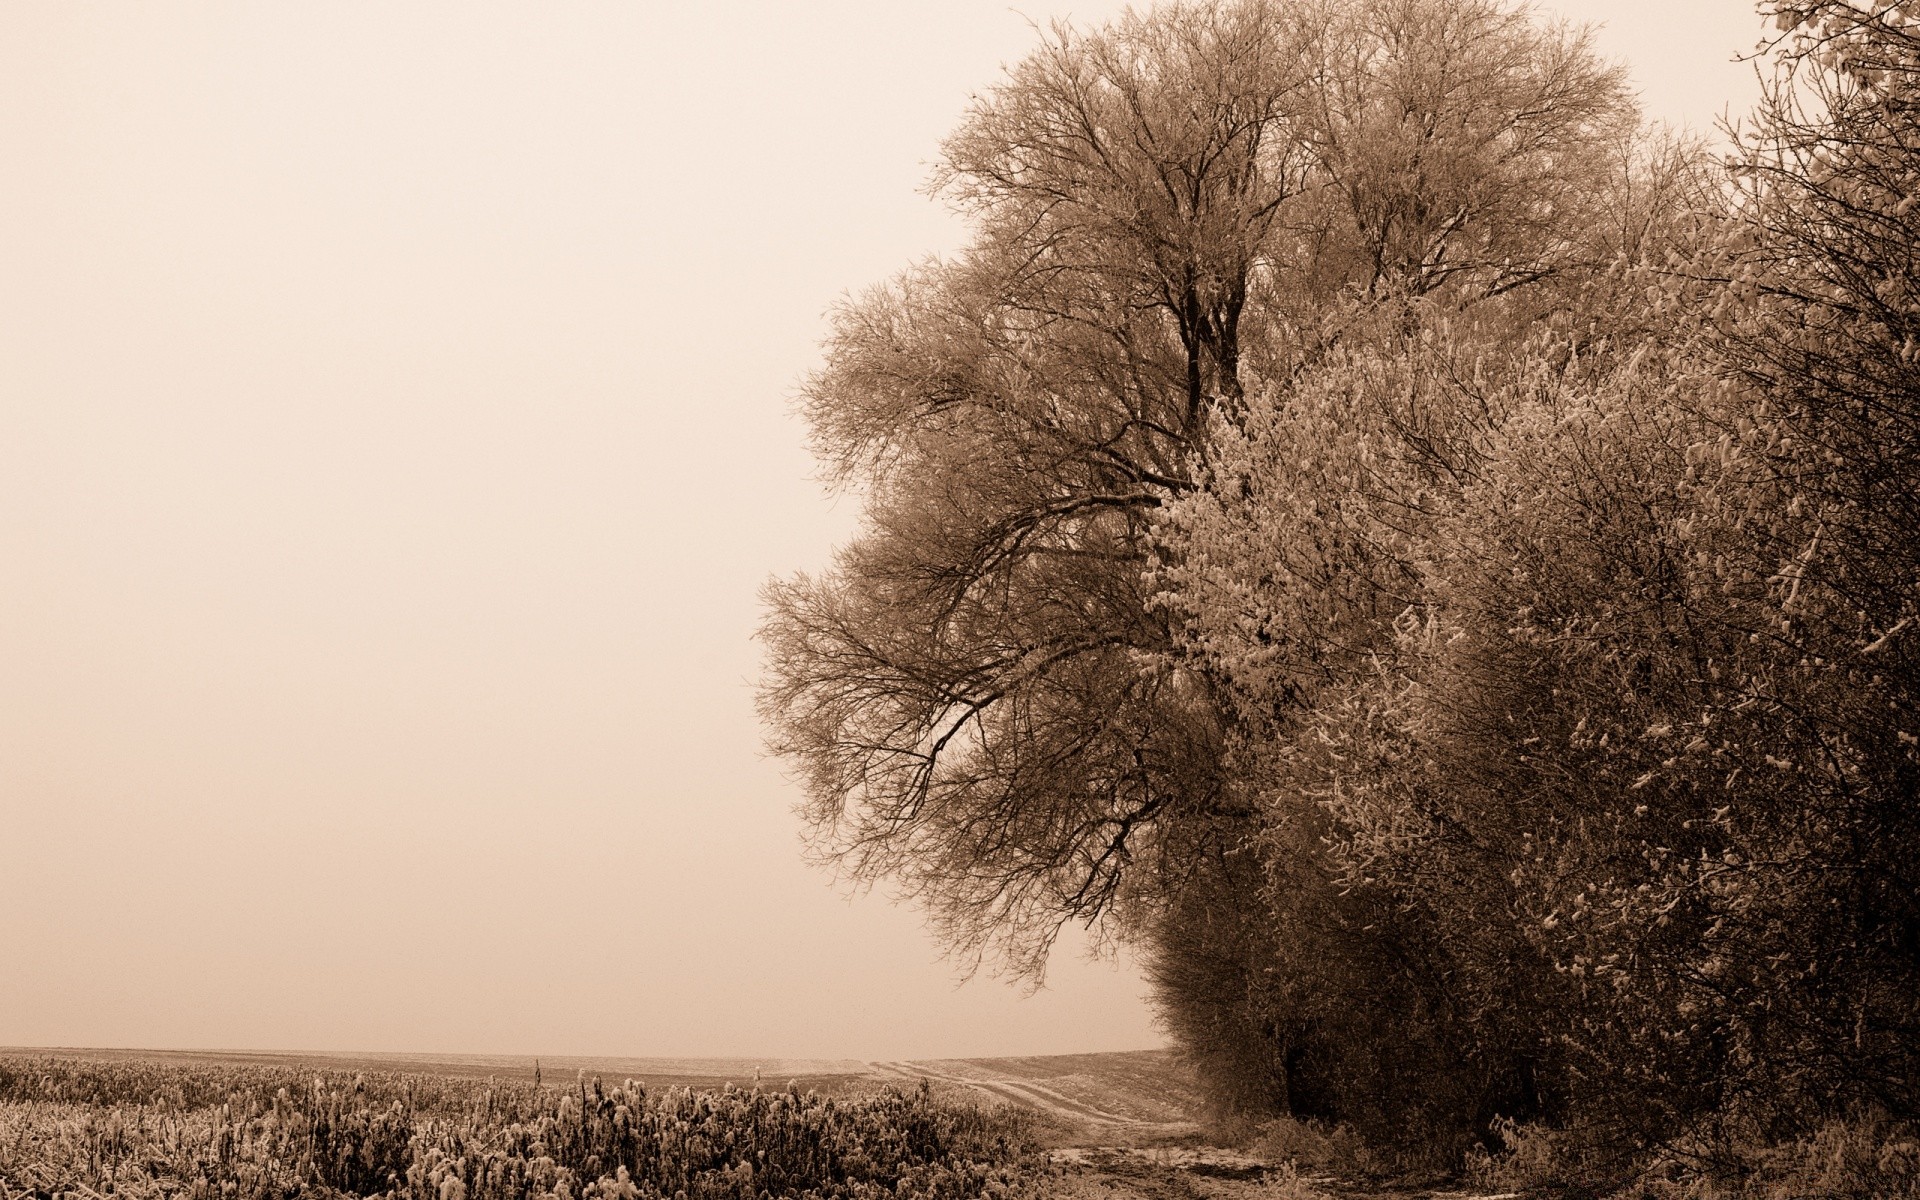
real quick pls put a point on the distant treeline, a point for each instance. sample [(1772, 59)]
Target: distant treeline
[(1430, 561)]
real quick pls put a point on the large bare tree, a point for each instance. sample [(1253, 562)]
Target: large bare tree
[(982, 698)]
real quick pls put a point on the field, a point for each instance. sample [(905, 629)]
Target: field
[(1131, 1098), (148, 1125), (77, 1127)]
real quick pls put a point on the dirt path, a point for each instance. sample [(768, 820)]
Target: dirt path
[(1207, 1173), (1023, 1092), (1122, 1130)]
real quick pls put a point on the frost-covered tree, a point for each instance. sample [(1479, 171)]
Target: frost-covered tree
[(1178, 217), (977, 695)]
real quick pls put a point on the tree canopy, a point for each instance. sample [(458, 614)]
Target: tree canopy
[(981, 695), (1427, 560)]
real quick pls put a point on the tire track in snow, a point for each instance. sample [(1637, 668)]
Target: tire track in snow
[(1019, 1091)]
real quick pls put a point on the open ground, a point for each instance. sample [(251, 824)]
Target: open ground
[(1119, 1126)]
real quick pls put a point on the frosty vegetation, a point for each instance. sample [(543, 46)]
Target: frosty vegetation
[(1429, 561), (72, 1128)]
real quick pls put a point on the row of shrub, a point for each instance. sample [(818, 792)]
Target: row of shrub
[(1566, 634)]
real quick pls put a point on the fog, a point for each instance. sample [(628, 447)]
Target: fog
[(395, 431)]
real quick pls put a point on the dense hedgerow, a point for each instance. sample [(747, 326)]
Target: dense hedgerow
[(74, 1128), (1569, 634)]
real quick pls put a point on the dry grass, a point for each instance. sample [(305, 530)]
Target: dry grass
[(72, 1128)]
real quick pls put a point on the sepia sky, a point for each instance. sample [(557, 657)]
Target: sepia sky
[(394, 435)]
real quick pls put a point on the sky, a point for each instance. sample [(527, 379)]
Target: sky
[(395, 432)]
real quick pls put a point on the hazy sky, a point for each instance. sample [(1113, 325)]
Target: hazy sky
[(394, 435)]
